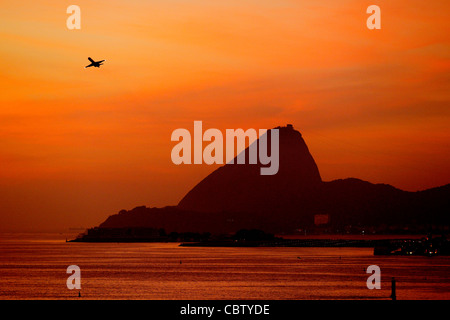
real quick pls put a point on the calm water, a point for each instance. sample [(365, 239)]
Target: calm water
[(34, 267)]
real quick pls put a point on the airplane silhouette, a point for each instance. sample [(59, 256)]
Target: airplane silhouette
[(96, 64)]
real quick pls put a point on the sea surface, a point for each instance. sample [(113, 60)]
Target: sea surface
[(33, 266)]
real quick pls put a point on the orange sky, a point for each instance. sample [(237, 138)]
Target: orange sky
[(79, 144)]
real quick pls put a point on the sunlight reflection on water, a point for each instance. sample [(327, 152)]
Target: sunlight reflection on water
[(34, 267)]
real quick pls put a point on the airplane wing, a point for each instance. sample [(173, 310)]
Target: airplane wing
[(90, 59)]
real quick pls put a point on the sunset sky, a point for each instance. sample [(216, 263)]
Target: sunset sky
[(77, 145)]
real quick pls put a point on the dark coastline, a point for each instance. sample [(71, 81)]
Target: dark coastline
[(230, 243), (293, 243), (422, 247)]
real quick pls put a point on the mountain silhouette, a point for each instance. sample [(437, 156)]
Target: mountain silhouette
[(237, 196), (241, 188)]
